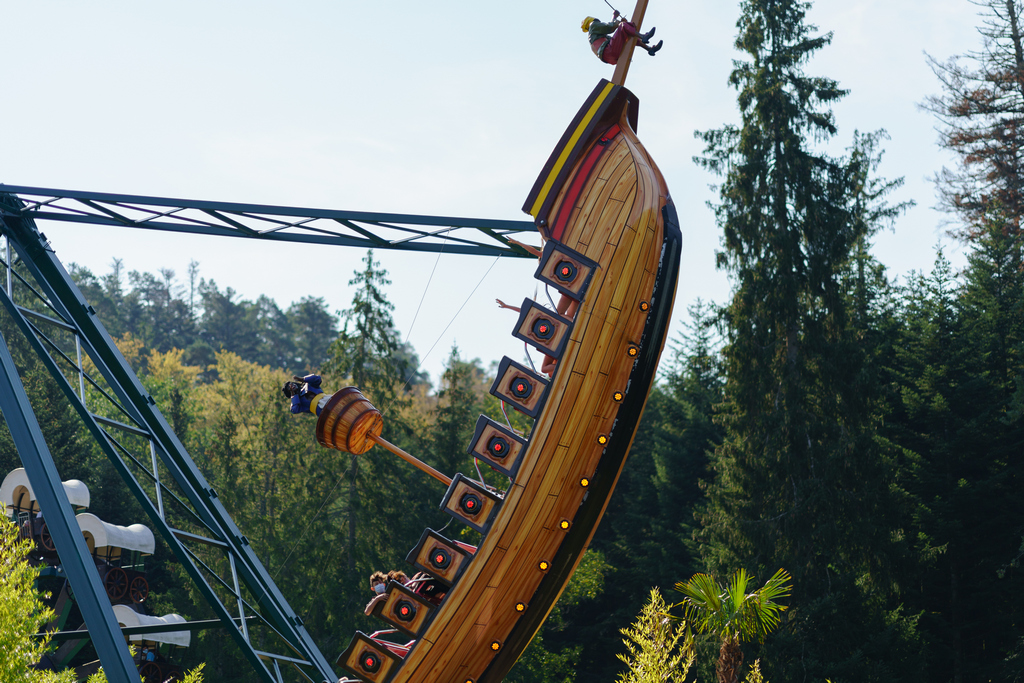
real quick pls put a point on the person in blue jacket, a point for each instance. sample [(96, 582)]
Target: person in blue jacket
[(306, 394)]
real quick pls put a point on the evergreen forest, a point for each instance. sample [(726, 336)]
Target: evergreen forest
[(862, 431)]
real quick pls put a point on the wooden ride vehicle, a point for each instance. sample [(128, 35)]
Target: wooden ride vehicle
[(611, 253)]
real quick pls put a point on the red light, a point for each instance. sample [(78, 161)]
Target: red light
[(439, 558), (368, 662), (405, 611), (498, 447)]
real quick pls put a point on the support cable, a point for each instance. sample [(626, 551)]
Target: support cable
[(450, 322), (427, 288), (308, 525)]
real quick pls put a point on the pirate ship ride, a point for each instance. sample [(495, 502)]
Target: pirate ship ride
[(611, 249)]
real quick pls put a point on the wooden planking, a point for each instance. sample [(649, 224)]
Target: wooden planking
[(499, 553), (560, 477), (556, 514), (598, 397), (625, 216), (551, 452), (593, 223), (528, 544), (597, 194), (524, 556), (545, 544), (575, 383), (626, 286), (585, 428), (614, 156), (614, 216), (565, 477), (521, 522), (524, 577), (628, 292), (503, 615)]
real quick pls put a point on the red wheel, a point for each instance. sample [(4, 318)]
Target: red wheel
[(45, 539), (139, 589), (150, 672), (116, 583)]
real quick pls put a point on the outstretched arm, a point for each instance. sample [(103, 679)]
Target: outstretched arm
[(502, 304), (530, 249)]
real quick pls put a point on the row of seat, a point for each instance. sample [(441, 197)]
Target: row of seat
[(375, 659)]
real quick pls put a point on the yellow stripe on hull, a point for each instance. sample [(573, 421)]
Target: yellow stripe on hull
[(564, 155)]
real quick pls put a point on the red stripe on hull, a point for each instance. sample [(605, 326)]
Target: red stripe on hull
[(580, 180)]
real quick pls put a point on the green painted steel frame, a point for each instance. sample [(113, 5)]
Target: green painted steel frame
[(140, 407), (452, 235), (60, 519)]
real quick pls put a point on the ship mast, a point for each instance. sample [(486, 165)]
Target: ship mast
[(622, 68)]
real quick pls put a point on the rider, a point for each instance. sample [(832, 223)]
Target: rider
[(608, 39), (429, 589), (306, 397)]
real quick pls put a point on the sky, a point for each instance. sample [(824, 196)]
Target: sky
[(442, 108)]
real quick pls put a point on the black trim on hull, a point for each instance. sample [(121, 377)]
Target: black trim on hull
[(641, 379)]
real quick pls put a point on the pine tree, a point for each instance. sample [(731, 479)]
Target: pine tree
[(368, 344), (956, 365), (458, 406), (225, 324), (273, 334), (967, 485), (688, 432), (981, 111), (800, 480), (366, 353), (314, 330)]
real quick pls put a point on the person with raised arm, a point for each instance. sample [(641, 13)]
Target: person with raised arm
[(607, 39)]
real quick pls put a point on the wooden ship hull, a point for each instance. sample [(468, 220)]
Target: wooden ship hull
[(612, 246)]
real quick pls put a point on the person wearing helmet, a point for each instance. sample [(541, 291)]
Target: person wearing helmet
[(607, 40)]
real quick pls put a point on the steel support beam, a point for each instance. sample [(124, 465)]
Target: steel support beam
[(60, 520), (67, 301), (368, 230)]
